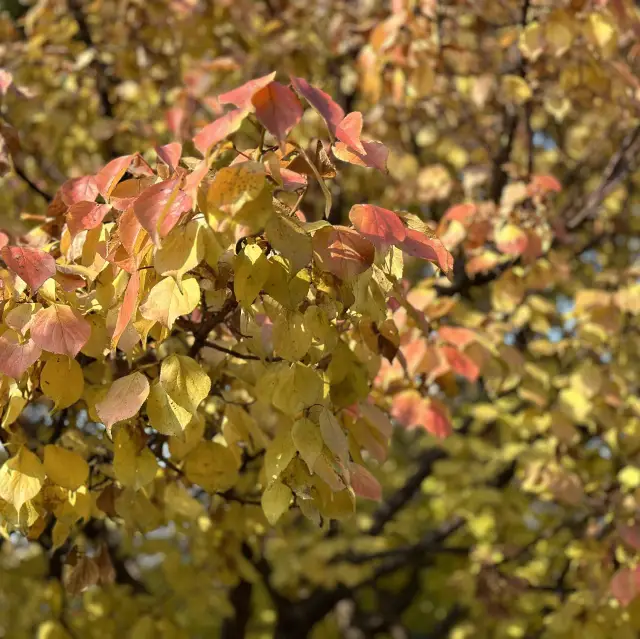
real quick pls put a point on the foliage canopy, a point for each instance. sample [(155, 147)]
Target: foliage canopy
[(324, 331)]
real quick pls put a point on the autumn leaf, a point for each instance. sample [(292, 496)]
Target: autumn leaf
[(82, 189), (21, 478), (380, 226), (159, 207), (16, 357), (85, 215), (330, 111), (123, 399), (60, 329), (417, 244), (342, 251), (277, 109), (62, 381), (34, 266), (374, 157), (167, 301), (349, 131), (107, 178), (241, 97), (170, 154), (219, 129), (64, 467)]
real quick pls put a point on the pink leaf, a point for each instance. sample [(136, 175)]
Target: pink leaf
[(60, 329), (85, 215), (241, 97), (16, 358), (6, 80), (128, 308), (380, 226), (170, 154), (32, 265), (364, 484), (406, 408), (460, 212), (330, 111), (350, 130), (277, 109), (82, 189), (123, 399), (109, 176), (159, 207), (219, 129), (375, 156), (543, 184), (417, 244), (625, 585)]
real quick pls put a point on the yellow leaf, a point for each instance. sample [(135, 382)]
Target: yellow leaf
[(62, 381), (132, 468), (288, 238), (333, 435), (64, 467), (279, 454), (181, 446), (275, 501), (185, 381), (234, 186), (601, 32), (166, 302), (165, 415), (21, 478), (291, 339), (212, 466), (181, 251), (515, 89), (251, 273), (308, 440), (286, 287)]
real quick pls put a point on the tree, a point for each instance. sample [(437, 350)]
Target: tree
[(209, 350)]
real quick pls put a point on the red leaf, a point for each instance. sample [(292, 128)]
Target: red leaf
[(241, 97), (349, 131), (128, 308), (127, 192), (175, 117), (85, 215), (219, 129), (460, 363), (4, 239), (109, 176), (342, 251), (375, 156), (277, 109), (60, 329), (417, 244), (128, 230), (330, 111), (16, 358), (140, 167), (170, 154), (159, 207), (32, 265), (82, 189), (458, 336), (381, 226), (364, 484)]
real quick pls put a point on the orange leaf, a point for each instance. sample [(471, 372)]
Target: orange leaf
[(380, 226), (128, 308), (342, 251), (60, 329), (460, 363), (364, 484), (32, 265)]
